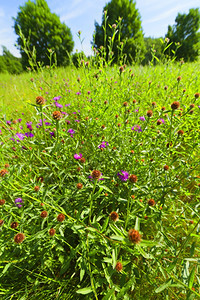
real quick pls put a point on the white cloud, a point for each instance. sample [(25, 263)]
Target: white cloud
[(166, 14)]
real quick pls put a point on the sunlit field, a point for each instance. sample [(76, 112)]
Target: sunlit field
[(100, 183)]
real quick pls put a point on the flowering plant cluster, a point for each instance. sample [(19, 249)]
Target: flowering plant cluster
[(100, 197)]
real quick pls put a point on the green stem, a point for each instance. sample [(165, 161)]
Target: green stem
[(91, 201)]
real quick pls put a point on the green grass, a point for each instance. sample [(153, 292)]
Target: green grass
[(80, 260)]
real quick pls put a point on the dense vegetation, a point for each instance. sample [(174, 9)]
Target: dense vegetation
[(100, 183)]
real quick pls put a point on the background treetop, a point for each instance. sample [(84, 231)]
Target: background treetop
[(43, 30)]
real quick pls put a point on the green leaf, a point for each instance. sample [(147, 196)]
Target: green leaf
[(85, 291), (191, 278), (164, 286), (105, 224)]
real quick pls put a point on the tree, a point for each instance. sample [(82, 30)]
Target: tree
[(186, 32), (153, 45), (43, 30), (122, 19), (9, 63)]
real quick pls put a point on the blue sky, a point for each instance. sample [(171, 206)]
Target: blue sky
[(156, 15)]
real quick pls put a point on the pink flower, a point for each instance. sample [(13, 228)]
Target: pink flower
[(78, 156)]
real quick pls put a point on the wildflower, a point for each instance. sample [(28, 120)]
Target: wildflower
[(180, 132), (14, 225), (2, 201), (36, 188), (71, 131), (57, 115), (96, 174), (52, 134), (1, 222), (124, 176), (175, 105), (134, 236), (79, 186), (57, 98), (119, 267), (160, 121), (18, 201), (114, 216), (78, 156), (40, 100), (52, 232), (133, 178), (166, 167), (125, 104), (19, 136), (44, 214), (153, 104), (137, 128), (178, 78), (58, 105), (103, 145), (149, 113), (197, 95), (151, 202), (82, 160), (60, 217), (29, 134), (192, 105), (19, 238), (142, 118)]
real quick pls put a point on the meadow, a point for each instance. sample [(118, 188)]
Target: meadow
[(100, 182)]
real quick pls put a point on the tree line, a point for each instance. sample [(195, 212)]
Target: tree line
[(42, 36)]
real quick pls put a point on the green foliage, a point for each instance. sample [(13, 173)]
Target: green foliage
[(186, 33), (9, 63), (78, 58), (153, 46), (93, 254), (43, 30), (120, 31)]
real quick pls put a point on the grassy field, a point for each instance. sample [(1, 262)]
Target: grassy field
[(100, 182)]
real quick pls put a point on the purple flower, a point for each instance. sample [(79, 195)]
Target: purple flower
[(58, 105), (161, 120), (47, 123), (78, 93), (19, 120), (67, 104), (18, 201), (20, 136), (137, 128), (142, 118), (29, 134), (57, 98), (8, 122), (124, 176), (103, 145), (76, 156), (77, 121), (71, 131), (52, 134)]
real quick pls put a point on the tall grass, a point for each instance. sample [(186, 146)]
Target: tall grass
[(117, 236)]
